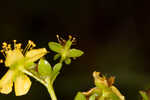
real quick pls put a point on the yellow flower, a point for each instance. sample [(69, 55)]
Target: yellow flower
[(16, 59)]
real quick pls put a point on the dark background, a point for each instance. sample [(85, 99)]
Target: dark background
[(114, 34)]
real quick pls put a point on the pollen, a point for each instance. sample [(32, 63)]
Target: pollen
[(4, 44), (1, 60)]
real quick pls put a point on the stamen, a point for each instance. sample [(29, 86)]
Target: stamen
[(9, 47), (14, 43), (2, 51), (33, 45), (4, 44), (18, 46), (28, 46), (61, 40), (73, 39), (70, 37)]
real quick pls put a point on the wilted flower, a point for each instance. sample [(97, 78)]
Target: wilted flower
[(106, 83), (17, 60)]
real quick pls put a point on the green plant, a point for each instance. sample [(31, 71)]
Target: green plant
[(22, 63)]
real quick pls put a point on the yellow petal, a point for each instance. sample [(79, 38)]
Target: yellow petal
[(13, 56), (6, 89), (22, 85), (6, 82), (35, 54), (117, 92)]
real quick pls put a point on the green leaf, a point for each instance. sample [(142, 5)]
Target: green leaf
[(67, 61), (56, 47), (54, 75), (93, 97), (57, 67), (44, 67), (144, 95), (80, 96), (55, 72), (75, 53), (56, 56)]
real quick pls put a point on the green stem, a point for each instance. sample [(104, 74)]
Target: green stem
[(51, 92), (61, 60), (32, 75)]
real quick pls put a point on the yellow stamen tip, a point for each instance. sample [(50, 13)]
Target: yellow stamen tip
[(4, 43), (30, 42), (57, 36), (2, 50), (70, 37), (14, 41), (1, 61)]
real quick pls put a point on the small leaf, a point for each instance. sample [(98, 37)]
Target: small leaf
[(55, 46), (144, 95), (80, 96), (54, 77), (75, 53), (56, 56), (57, 67), (44, 67), (67, 61), (55, 72)]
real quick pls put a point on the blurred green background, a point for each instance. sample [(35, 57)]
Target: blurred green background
[(114, 34)]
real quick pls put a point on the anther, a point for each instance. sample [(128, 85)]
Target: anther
[(57, 36), (30, 42), (4, 44), (1, 61), (70, 37), (2, 50), (14, 41), (9, 46)]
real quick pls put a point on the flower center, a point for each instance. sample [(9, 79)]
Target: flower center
[(12, 54)]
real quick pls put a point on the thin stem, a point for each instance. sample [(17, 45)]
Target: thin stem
[(51, 92), (32, 75), (61, 60)]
